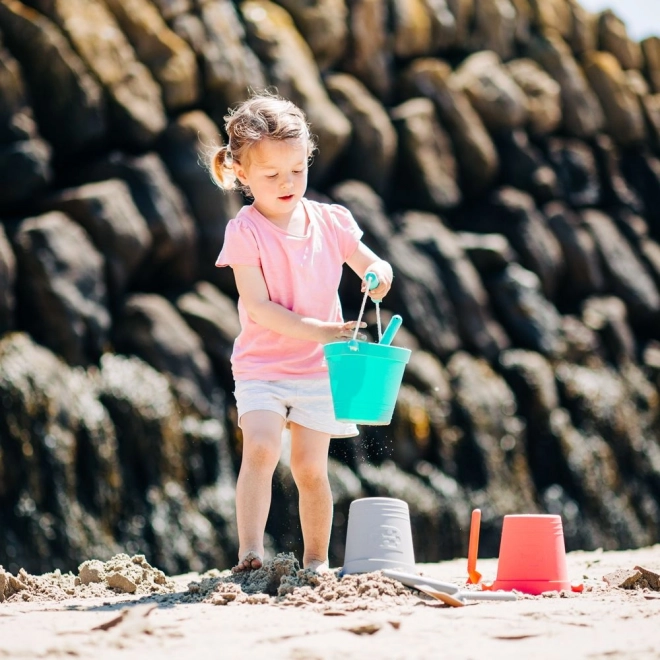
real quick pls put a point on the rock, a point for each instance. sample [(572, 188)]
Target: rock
[(623, 114), (576, 170), (626, 275), (474, 149), (230, 68), (62, 291), (478, 328), (443, 24), (91, 571), (623, 578), (170, 9), (463, 11), (651, 108), (171, 259), (543, 95), (25, 169), (490, 253), (495, 27), (530, 319), (324, 26), (370, 60), (584, 35), (493, 93), (135, 100), (150, 327), (214, 317), (371, 153), (120, 583), (53, 71), (427, 167), (651, 51), (7, 284), (16, 119), (183, 147), (411, 28), (553, 15), (583, 273), (607, 317), (615, 190), (652, 577), (613, 37), (108, 214), (169, 58), (582, 114), (525, 167), (275, 39)]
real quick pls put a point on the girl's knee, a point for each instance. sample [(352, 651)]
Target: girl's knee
[(309, 476), (262, 451)]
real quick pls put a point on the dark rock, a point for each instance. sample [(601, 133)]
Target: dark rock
[(626, 275), (576, 170), (427, 167), (478, 328), (25, 170), (530, 319), (7, 284), (68, 101), (183, 148), (107, 213), (490, 253), (61, 290), (151, 328), (607, 316)]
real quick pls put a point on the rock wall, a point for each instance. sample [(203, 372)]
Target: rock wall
[(504, 155)]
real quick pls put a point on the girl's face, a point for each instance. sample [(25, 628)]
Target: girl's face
[(276, 173)]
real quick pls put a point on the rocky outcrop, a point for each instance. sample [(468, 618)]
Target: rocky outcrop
[(503, 155)]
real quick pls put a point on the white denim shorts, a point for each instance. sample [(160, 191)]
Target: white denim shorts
[(307, 402)]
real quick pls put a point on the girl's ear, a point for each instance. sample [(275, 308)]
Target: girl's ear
[(239, 171)]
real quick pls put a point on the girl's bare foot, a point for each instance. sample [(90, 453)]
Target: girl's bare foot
[(318, 566), (250, 562)]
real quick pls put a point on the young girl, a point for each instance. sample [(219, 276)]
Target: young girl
[(286, 253)]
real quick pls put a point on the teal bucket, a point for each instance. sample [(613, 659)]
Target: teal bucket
[(365, 380)]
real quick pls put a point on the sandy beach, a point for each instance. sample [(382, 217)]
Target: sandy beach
[(367, 616)]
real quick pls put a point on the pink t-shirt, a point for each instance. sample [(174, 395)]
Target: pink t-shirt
[(302, 274)]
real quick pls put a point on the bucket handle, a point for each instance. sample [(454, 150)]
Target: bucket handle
[(372, 282)]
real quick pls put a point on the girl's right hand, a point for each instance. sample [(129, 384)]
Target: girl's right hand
[(329, 332)]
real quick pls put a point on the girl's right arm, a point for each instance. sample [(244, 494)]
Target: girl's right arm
[(263, 311)]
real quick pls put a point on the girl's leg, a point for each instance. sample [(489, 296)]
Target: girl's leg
[(262, 444), (309, 466)]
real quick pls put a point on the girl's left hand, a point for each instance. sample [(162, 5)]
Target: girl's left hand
[(383, 272)]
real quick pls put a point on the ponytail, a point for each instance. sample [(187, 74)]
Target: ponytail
[(221, 170)]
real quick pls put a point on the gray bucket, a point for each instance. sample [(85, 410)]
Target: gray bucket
[(378, 536)]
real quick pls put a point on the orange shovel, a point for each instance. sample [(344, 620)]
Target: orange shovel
[(473, 547)]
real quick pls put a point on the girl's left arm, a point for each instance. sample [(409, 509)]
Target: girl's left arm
[(365, 260)]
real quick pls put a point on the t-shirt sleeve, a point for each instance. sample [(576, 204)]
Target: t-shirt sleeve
[(348, 232), (239, 247)]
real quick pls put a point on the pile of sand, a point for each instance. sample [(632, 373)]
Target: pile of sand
[(120, 575), (282, 582)]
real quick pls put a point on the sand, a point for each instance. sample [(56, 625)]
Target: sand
[(125, 608)]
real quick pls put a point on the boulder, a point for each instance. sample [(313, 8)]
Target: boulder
[(492, 91), (371, 153), (495, 27), (411, 28), (576, 170), (68, 101), (275, 39), (7, 284), (427, 167), (623, 113), (61, 289), (230, 68), (25, 170), (613, 37), (370, 58), (543, 95), (582, 114), (134, 98), (651, 51), (474, 149), (119, 232), (324, 26), (170, 59)]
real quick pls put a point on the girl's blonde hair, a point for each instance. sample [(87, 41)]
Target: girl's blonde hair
[(262, 116)]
